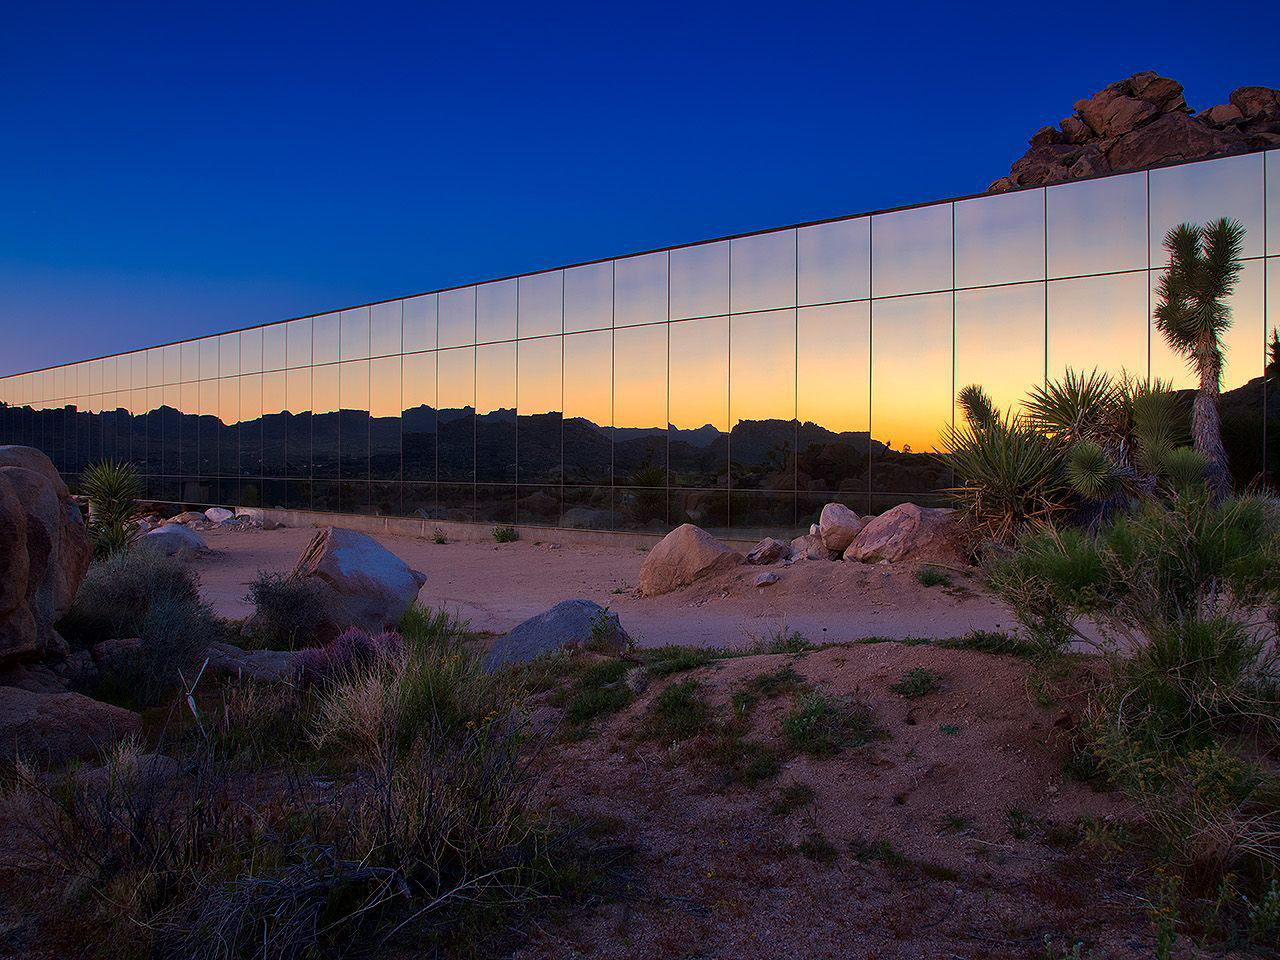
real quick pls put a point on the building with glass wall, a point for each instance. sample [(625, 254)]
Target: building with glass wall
[(739, 384)]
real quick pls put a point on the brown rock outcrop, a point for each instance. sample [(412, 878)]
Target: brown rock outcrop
[(1142, 122), (684, 555)]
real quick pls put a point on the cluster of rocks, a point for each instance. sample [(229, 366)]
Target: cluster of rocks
[(1142, 122), (178, 536), (689, 553)]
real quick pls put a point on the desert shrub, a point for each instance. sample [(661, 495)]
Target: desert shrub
[(916, 683), (505, 534), (351, 652), (172, 638), (118, 591), (678, 712), (113, 488), (821, 725), (288, 613), (933, 577)]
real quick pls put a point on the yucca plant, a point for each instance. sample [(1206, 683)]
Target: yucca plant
[(113, 488), (1193, 315)]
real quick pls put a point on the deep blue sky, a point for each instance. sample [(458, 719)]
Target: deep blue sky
[(170, 170)]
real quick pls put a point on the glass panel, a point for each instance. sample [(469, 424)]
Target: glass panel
[(353, 423), (762, 400), (541, 303), (419, 419), (420, 500), (763, 271), (456, 501), (700, 280), (353, 497), (708, 509), (190, 364), (273, 347), (1272, 394), (420, 326), (324, 496), (324, 423), (1273, 203), (911, 251), (699, 403), (538, 504), (274, 420), (833, 397), (455, 379), (1000, 239), (208, 426), (458, 317), (640, 290), (297, 398), (250, 352), (495, 503), (588, 297), (1097, 226), (911, 391), (384, 419), (228, 355), (228, 429), (324, 338), (590, 508), (754, 515), (355, 334), (588, 407), (385, 499), (1000, 341), (1243, 344), (385, 330), (298, 343), (188, 429), (1202, 192), (171, 426), (540, 405), (155, 369), (209, 349), (1098, 322), (496, 413), (496, 311), (640, 410)]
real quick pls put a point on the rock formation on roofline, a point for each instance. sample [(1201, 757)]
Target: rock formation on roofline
[(1141, 122)]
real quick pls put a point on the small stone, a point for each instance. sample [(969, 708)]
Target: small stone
[(767, 579), (218, 514)]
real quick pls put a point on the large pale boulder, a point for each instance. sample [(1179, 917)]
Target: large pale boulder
[(838, 525), (570, 624), (902, 532), (366, 585), (55, 728), (686, 554), (174, 540), (44, 553)]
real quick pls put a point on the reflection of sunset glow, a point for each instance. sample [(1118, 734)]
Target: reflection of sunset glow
[(384, 387), (699, 384), (273, 393), (1000, 239), (1242, 345), (1000, 341), (762, 357), (297, 390), (911, 383), (588, 376), (495, 377), (834, 383), (640, 378), (455, 371), (1097, 226), (419, 389), (912, 251), (539, 377), (1203, 192), (324, 389), (1098, 322)]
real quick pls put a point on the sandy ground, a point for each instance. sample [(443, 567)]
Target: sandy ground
[(496, 586)]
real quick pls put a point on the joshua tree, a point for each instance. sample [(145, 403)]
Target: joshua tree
[(1192, 314)]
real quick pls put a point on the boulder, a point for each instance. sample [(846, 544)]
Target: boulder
[(811, 547), (686, 554), (769, 550), (187, 516), (366, 585), (766, 579), (56, 728), (218, 514), (44, 553), (269, 666), (174, 540), (902, 532), (570, 624), (837, 526)]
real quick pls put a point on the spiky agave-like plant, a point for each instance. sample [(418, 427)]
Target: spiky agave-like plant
[(113, 488), (1192, 314)]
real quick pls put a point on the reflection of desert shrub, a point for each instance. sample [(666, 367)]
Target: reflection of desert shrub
[(505, 534), (118, 591), (288, 612)]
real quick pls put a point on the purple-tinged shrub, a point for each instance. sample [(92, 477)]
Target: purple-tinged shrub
[(352, 651)]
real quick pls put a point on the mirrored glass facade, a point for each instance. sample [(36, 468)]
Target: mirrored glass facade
[(739, 384)]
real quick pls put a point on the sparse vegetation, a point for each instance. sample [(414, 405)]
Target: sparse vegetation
[(439, 537), (917, 682), (288, 613), (679, 712), (505, 534), (933, 577), (821, 725), (113, 488)]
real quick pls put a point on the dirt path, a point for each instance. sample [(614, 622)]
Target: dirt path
[(497, 586)]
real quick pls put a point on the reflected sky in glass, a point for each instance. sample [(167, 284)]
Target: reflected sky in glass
[(1202, 192), (540, 301), (272, 349), (1000, 239), (700, 280), (457, 317), (419, 388), (385, 328), (324, 338), (911, 376), (762, 271), (495, 377), (538, 371), (588, 297), (297, 390), (640, 378), (1243, 344), (455, 379), (496, 311), (324, 389), (1098, 322), (640, 289), (420, 323), (1000, 341), (1273, 202), (762, 348), (1097, 226), (911, 251), (384, 387), (699, 381), (833, 261), (355, 334), (588, 369), (297, 343)]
